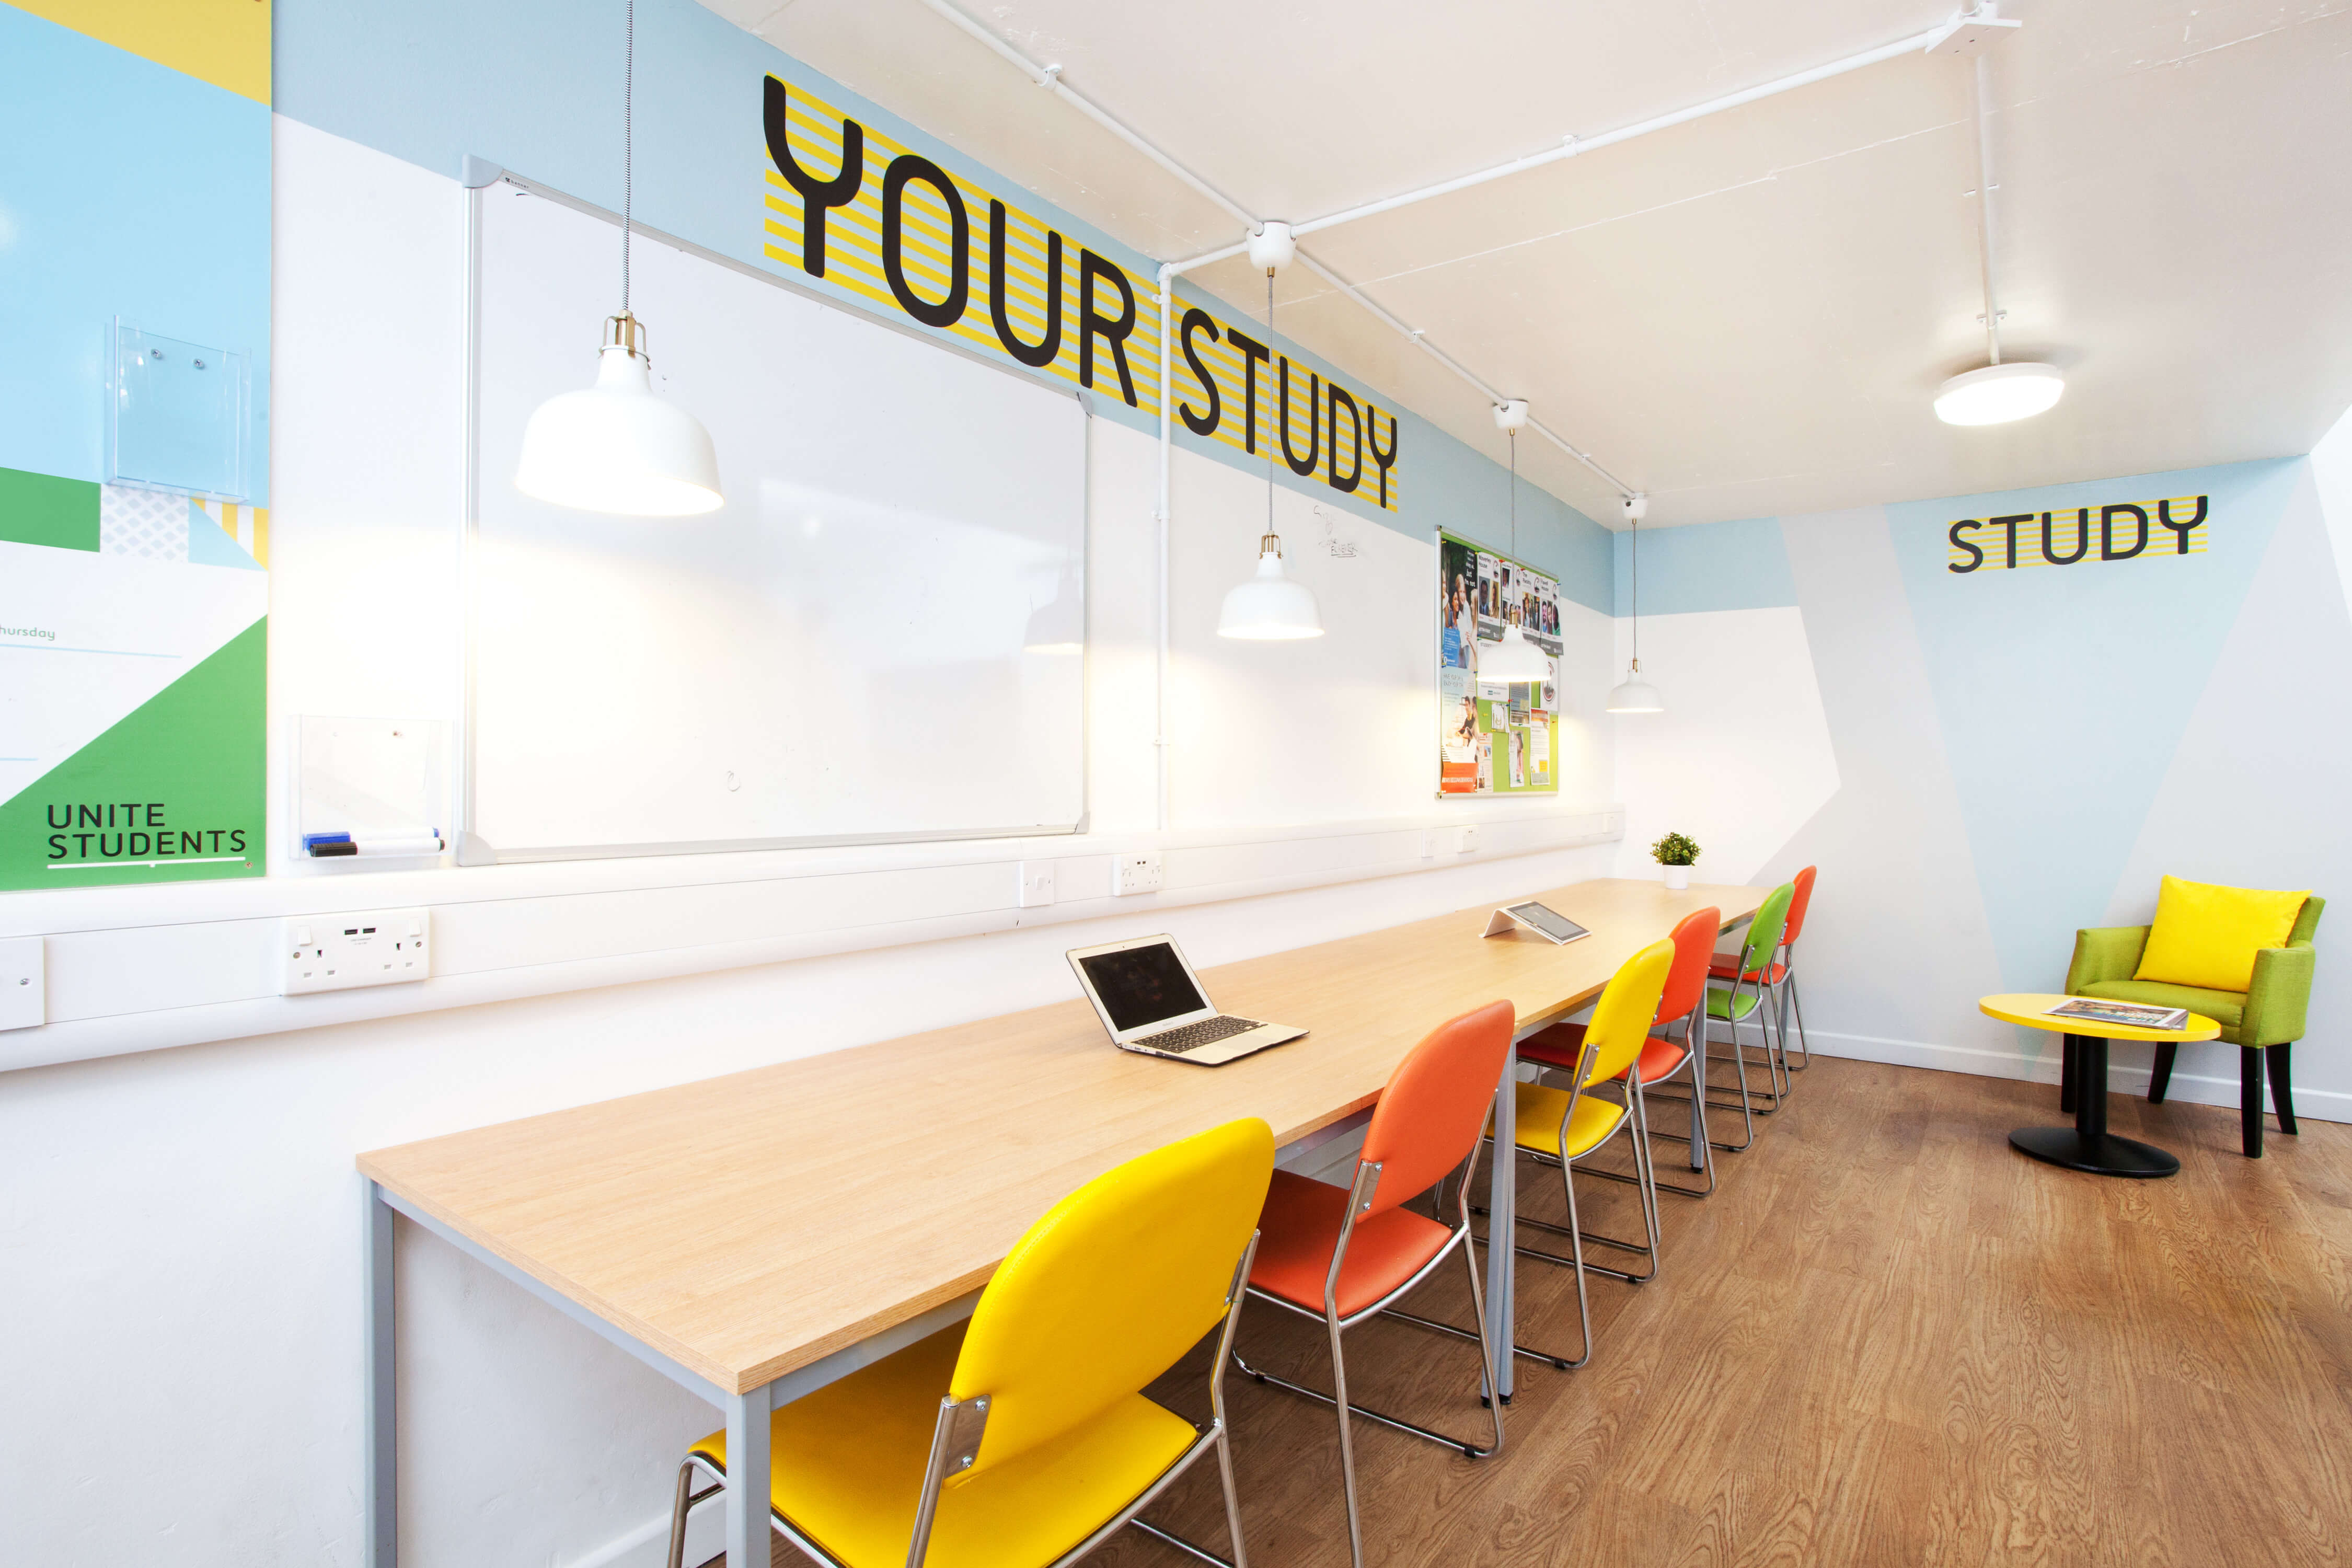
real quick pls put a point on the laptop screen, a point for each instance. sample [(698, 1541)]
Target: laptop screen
[(1141, 986)]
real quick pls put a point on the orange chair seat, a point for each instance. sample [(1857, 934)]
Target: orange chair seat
[(1725, 966), (1562, 1045), (1301, 1226)]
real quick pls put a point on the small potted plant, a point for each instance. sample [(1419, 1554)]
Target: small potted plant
[(1676, 853)]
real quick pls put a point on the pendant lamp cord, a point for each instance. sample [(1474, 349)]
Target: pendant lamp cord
[(628, 145), (1637, 594), (1269, 404)]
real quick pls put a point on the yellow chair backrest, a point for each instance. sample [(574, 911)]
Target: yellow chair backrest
[(1112, 1286), (1628, 1005)]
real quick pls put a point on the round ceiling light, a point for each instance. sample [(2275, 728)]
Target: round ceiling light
[(1999, 393)]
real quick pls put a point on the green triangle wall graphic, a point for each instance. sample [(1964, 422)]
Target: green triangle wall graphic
[(173, 792)]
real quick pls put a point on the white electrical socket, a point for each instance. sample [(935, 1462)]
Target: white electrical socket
[(1428, 843), (1465, 839), (1138, 873), (343, 952), (23, 993), (1036, 883)]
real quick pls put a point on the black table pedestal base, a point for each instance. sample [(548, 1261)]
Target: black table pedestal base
[(2089, 1145), (2104, 1155)]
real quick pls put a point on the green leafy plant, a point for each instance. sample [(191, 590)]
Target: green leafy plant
[(1675, 849)]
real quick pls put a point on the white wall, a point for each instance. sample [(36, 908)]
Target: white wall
[(181, 1228)]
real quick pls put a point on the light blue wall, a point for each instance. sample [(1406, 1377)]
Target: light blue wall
[(2021, 753), (2063, 691), (534, 86), (126, 189), (1741, 565), (1468, 494)]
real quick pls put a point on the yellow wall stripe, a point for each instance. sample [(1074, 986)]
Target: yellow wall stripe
[(2070, 530), (854, 261)]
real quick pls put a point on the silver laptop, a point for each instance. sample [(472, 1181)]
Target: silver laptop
[(1151, 1002)]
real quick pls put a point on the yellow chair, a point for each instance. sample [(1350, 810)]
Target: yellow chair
[(1559, 1127), (1021, 1438)]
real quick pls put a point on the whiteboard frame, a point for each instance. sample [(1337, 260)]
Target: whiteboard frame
[(471, 848)]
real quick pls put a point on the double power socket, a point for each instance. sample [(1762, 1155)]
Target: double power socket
[(344, 951)]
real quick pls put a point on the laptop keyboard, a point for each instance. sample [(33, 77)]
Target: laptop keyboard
[(1192, 1037)]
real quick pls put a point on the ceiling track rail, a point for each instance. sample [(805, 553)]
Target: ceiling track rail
[(1049, 77), (1575, 146)]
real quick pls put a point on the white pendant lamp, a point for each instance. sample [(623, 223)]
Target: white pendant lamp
[(1513, 660), (1268, 607), (1995, 393), (616, 446), (1633, 694)]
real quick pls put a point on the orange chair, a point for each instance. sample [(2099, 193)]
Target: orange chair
[(1780, 976), (1662, 1055), (1559, 1127), (1344, 1254)]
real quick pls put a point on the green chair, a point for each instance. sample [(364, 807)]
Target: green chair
[(2262, 1021), (1752, 986)]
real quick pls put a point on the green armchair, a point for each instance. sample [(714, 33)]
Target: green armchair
[(2264, 1022)]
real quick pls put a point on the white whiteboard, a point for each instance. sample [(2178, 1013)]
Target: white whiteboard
[(876, 638)]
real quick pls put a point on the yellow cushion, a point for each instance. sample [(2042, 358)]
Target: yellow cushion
[(1540, 1109), (847, 1465), (2206, 935)]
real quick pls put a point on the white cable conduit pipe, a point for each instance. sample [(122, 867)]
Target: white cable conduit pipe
[(1050, 77), (1459, 368), (1984, 204), (1572, 146)]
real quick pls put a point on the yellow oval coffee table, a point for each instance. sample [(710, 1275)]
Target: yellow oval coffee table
[(2089, 1145)]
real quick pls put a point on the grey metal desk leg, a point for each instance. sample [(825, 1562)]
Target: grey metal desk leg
[(747, 1478), (1502, 1220), (383, 1547)]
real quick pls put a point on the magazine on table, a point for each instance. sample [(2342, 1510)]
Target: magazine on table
[(2136, 1014)]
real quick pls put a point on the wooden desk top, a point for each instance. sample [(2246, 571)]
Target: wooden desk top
[(747, 1226)]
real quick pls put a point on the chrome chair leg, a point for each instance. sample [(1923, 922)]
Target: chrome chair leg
[(1347, 1439), (683, 1504), (1575, 1234), (1695, 1059), (1797, 1006), (1233, 1496), (1198, 1553)]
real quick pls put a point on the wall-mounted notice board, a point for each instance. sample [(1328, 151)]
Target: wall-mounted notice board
[(880, 637), (1494, 738)]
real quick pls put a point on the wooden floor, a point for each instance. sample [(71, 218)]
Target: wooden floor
[(1887, 1340)]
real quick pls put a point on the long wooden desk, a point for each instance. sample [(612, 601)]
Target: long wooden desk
[(758, 1235)]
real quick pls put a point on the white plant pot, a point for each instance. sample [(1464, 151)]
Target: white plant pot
[(1677, 877)]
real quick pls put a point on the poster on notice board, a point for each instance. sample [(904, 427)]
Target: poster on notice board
[(1492, 738)]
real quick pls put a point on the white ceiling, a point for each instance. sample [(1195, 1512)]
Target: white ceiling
[(1748, 314)]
